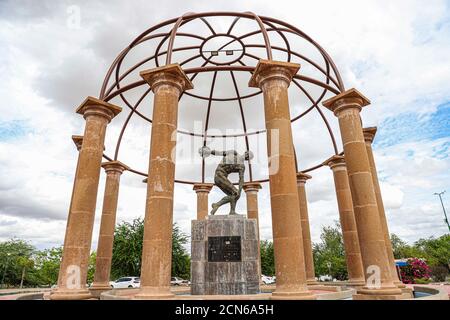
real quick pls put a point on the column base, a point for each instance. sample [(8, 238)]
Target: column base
[(407, 293), (299, 295), (376, 297), (97, 289), (312, 282), (70, 294), (154, 294), (386, 293)]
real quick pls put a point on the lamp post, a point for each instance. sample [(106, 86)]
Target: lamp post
[(443, 207), (329, 269)]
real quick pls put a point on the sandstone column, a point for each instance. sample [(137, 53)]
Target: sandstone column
[(77, 243), (251, 192), (369, 135), (114, 170), (306, 233), (347, 218), (202, 190), (167, 83), (273, 78), (379, 285)]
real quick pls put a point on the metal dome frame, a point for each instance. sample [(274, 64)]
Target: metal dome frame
[(112, 83)]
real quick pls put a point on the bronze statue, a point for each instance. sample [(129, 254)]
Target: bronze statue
[(231, 162)]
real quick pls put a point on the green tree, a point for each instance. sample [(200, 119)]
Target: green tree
[(15, 256), (46, 266), (181, 261), (329, 254), (91, 267), (435, 250), (267, 258), (127, 250), (402, 250)]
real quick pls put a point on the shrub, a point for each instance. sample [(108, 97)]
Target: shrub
[(439, 273), (415, 269)]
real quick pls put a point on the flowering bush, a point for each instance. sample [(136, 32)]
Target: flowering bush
[(415, 269)]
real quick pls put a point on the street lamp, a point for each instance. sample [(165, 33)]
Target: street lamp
[(443, 208), (329, 269)]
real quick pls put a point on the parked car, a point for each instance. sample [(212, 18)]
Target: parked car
[(186, 283), (325, 278), (267, 279), (175, 281), (126, 282)]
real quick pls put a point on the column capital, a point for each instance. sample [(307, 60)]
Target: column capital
[(369, 134), (171, 74), (203, 187), (252, 186), (303, 177), (336, 161), (94, 106), (78, 140), (114, 166), (348, 99), (268, 69)]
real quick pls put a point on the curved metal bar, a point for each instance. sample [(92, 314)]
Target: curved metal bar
[(172, 37), (244, 125), (208, 112), (301, 57), (333, 65), (333, 140), (213, 136), (140, 63), (265, 35), (119, 140), (292, 52), (233, 24), (250, 95), (286, 42), (208, 25)]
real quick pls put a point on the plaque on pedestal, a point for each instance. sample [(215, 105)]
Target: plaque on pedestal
[(224, 259)]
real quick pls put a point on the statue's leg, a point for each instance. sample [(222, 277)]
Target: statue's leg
[(227, 187), (233, 201), (217, 205)]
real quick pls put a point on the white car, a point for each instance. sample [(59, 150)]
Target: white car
[(126, 282), (267, 279), (176, 281)]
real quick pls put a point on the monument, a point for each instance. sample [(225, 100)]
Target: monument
[(259, 64), (224, 250)]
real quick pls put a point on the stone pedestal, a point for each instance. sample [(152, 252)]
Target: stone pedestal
[(224, 256)]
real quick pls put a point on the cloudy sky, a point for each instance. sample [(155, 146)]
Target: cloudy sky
[(55, 53)]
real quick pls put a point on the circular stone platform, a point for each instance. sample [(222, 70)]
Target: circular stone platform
[(183, 293)]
